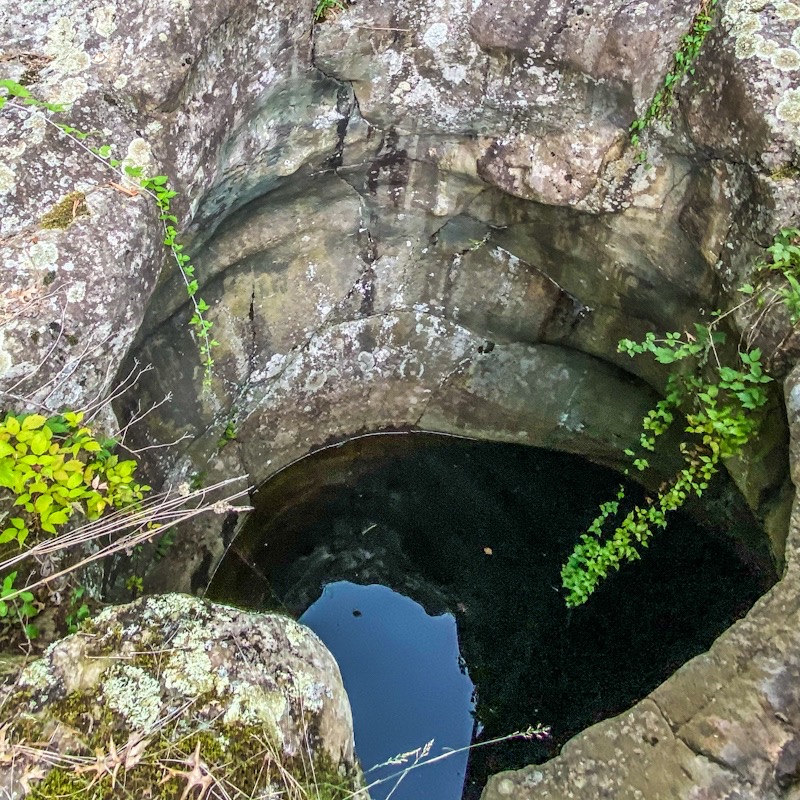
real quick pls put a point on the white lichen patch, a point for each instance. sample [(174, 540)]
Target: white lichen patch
[(455, 73), (765, 48), (190, 672), (253, 705), (140, 154), (66, 92), (309, 693), (436, 35), (43, 254), (104, 617), (8, 179), (789, 108), (37, 676), (297, 634), (6, 361), (171, 606), (76, 292), (36, 127), (786, 58), (69, 57), (328, 119), (743, 25), (104, 23), (134, 695), (787, 11)]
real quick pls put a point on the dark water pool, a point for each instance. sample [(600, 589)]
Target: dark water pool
[(480, 530), (382, 639)]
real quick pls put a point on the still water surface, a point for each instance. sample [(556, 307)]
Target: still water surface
[(400, 667)]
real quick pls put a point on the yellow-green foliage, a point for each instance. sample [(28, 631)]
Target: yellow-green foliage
[(53, 467)]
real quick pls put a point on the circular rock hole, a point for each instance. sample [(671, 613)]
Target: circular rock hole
[(479, 530)]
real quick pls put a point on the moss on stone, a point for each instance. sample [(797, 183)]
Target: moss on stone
[(242, 758), (786, 172), (65, 212), (116, 681), (60, 783)]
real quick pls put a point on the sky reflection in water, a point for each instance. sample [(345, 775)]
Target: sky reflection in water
[(400, 668)]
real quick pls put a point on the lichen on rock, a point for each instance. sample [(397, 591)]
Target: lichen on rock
[(171, 687)]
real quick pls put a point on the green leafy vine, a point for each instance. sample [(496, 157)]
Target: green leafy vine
[(682, 65), (157, 188), (720, 401), (784, 259)]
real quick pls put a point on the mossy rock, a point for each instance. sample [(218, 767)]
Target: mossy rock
[(173, 697)]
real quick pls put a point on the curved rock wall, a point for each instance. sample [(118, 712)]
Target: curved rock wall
[(423, 213)]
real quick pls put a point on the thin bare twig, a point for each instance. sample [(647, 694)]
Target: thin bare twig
[(47, 355), (151, 520)]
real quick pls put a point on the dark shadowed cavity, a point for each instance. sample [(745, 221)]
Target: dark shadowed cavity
[(480, 530)]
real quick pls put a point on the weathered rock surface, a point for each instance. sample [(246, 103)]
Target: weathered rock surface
[(418, 213), (131, 697)]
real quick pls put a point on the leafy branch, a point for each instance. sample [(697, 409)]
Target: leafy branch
[(50, 469), (682, 65), (784, 256), (721, 402), (719, 421)]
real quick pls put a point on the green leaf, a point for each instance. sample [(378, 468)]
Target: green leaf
[(14, 89), (8, 478), (8, 535), (42, 503), (39, 443), (33, 422)]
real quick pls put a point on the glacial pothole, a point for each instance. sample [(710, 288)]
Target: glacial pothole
[(480, 530)]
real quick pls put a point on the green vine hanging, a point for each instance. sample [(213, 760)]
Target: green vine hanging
[(720, 402)]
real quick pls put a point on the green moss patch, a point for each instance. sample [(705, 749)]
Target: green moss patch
[(65, 212), (786, 172), (241, 761)]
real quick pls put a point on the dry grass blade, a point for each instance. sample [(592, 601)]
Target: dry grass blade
[(155, 515)]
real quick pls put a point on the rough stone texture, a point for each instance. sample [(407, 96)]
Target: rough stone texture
[(418, 213), (165, 667), (147, 79), (750, 110), (548, 89)]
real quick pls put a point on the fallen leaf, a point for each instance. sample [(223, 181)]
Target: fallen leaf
[(124, 190)]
